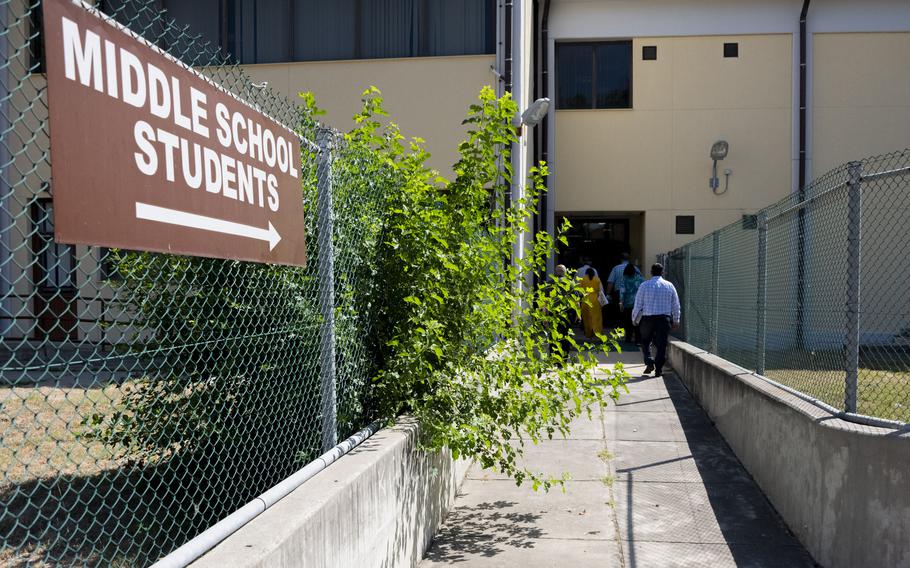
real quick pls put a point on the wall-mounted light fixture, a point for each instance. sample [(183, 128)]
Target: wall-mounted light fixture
[(535, 112), (532, 116), (718, 152)]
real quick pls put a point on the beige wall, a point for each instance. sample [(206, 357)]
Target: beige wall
[(861, 96), (862, 108), (427, 97), (654, 157)]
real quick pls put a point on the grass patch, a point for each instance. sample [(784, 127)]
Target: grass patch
[(40, 432), (58, 490), (885, 394), (883, 384), (608, 480)]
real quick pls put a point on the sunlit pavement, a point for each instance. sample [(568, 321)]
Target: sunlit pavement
[(653, 484)]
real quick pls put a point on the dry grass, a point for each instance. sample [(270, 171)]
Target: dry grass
[(40, 432), (884, 394), (50, 475)]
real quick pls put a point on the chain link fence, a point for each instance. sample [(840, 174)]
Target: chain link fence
[(146, 396), (811, 292)]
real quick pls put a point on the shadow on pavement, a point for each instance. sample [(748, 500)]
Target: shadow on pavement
[(730, 516), (485, 530)]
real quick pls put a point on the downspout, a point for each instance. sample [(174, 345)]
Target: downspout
[(543, 82), (507, 46), (507, 75), (535, 57), (801, 184)]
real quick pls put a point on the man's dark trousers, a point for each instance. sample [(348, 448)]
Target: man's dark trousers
[(655, 330)]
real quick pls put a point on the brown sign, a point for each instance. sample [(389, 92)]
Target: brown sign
[(149, 155)]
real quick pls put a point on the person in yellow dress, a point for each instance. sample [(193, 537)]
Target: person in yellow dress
[(591, 315)]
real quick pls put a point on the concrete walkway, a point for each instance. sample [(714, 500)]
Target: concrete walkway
[(653, 484)]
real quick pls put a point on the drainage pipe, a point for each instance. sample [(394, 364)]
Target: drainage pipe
[(543, 82), (507, 81), (801, 184), (233, 522), (507, 46)]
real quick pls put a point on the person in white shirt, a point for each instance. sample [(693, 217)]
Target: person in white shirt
[(656, 312), (615, 277)]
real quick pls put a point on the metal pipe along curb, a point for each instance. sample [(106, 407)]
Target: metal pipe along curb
[(233, 522)]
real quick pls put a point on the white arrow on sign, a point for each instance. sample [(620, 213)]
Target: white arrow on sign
[(184, 219)]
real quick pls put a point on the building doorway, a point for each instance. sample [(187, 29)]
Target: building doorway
[(602, 238)]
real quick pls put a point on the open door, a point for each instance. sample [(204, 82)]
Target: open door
[(600, 239)]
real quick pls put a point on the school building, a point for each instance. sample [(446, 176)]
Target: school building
[(641, 92)]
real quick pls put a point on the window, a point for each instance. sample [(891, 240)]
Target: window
[(55, 267), (36, 39), (202, 19), (731, 50), (685, 224), (649, 52), (594, 75), (273, 31)]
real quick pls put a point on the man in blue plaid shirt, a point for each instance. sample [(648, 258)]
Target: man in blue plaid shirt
[(656, 312)]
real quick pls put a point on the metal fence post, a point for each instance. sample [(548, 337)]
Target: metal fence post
[(326, 272), (762, 293), (715, 293), (687, 296), (854, 237)]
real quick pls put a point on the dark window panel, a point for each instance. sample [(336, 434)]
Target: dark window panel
[(649, 52), (203, 27), (239, 31), (36, 39), (613, 71), (459, 27), (685, 224), (55, 262), (594, 75), (490, 20), (272, 31), (142, 18), (731, 50), (265, 31), (325, 30), (388, 28), (575, 76)]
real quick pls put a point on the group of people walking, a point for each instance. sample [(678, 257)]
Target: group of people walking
[(647, 310)]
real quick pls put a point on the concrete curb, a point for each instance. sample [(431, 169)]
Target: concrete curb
[(843, 488), (379, 505)]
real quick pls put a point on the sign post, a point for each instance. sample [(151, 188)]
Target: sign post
[(148, 154)]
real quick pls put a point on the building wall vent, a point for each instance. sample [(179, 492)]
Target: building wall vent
[(685, 224)]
